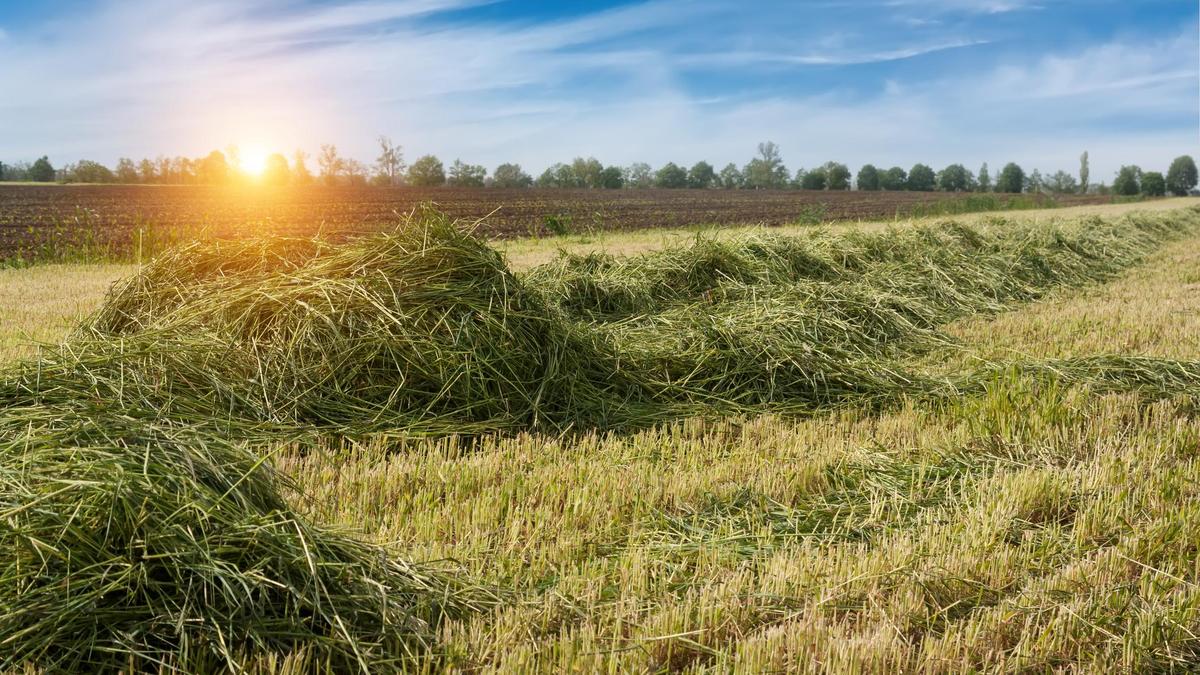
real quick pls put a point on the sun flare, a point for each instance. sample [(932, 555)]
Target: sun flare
[(253, 160)]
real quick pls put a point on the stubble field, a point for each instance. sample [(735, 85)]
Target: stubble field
[(921, 447)]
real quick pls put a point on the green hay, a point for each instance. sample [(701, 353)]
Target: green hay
[(140, 520)]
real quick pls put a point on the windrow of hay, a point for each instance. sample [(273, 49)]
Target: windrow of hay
[(141, 525)]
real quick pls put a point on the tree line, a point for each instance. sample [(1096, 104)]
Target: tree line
[(766, 171)]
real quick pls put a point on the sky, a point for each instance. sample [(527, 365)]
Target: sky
[(890, 82)]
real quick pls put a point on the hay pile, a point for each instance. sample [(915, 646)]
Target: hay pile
[(141, 523)]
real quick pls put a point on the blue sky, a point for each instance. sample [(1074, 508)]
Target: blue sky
[(881, 81)]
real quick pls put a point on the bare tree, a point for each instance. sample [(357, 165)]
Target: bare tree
[(390, 163), (331, 164)]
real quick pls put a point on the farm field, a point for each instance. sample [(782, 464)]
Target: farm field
[(49, 222), (918, 446)]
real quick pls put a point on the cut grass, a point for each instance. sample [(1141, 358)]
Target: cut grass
[(1031, 525)]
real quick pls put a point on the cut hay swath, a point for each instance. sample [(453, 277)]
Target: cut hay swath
[(141, 523)]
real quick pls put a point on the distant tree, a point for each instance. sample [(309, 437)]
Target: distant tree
[(87, 171), (300, 173), (427, 171), (1084, 172), (1181, 177), (639, 175), (812, 180), (587, 172), (955, 178), (921, 178), (390, 163), (1153, 184), (837, 176), (1011, 179), (466, 175), (984, 182), (1034, 183), (3, 170), (330, 163), (1061, 183), (549, 177), (767, 170), (277, 171), (126, 171), (1127, 181), (701, 176), (671, 176), (612, 178), (146, 171), (42, 171), (894, 178), (511, 176), (731, 178), (355, 171), (213, 169), (868, 178)]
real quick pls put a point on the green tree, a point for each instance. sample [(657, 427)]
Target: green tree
[(985, 179), (837, 176), (427, 171), (1084, 172), (767, 170), (277, 172), (1153, 184), (511, 176), (1062, 183), (126, 171), (868, 178), (921, 178), (1011, 179), (42, 171), (731, 178), (213, 169), (467, 175), (1127, 181), (87, 171), (587, 172), (671, 176), (701, 176), (955, 178), (612, 178), (1181, 177), (147, 172), (894, 178), (816, 179)]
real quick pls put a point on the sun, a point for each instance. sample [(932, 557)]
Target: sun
[(253, 160)]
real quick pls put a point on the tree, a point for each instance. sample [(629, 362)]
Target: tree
[(87, 171), (730, 178), (701, 176), (955, 178), (671, 176), (1084, 172), (213, 169), (1062, 183), (985, 179), (331, 164), (466, 175), (3, 170), (894, 178), (427, 171), (1153, 184), (42, 171), (921, 178), (1127, 181), (1034, 183), (837, 176), (812, 180), (612, 178), (1181, 177), (767, 170), (126, 171), (355, 172), (276, 171), (300, 173), (868, 178), (1011, 179), (639, 175), (586, 172), (146, 171), (511, 176), (390, 163)]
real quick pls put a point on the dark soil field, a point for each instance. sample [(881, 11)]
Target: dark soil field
[(55, 222)]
